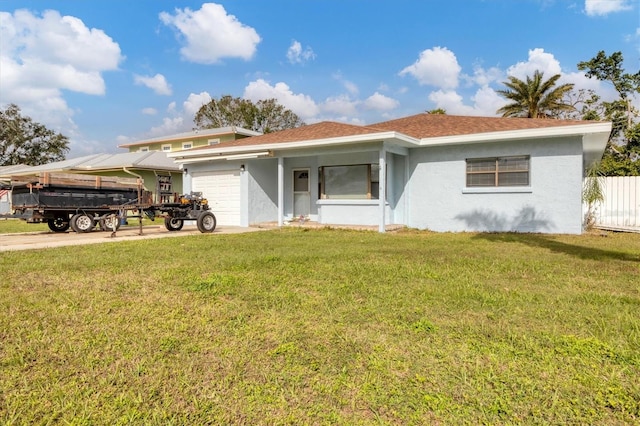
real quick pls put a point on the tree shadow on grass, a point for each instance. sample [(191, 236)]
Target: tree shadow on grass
[(525, 227), (552, 244)]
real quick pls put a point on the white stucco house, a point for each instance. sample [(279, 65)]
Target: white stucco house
[(427, 171)]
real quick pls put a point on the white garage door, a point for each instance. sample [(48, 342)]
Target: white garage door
[(222, 190)]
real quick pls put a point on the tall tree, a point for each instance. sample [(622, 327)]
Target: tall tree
[(622, 156), (23, 141), (535, 97), (264, 116)]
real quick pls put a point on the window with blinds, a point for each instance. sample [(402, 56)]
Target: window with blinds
[(498, 171)]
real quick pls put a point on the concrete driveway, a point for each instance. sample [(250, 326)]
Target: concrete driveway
[(47, 239)]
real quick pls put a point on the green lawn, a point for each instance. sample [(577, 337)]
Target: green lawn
[(13, 226), (324, 327)]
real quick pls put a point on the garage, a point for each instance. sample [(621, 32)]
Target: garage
[(222, 189)]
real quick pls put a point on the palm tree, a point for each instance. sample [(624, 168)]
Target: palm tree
[(534, 98)]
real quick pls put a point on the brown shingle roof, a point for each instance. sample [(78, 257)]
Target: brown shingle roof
[(417, 126), (322, 130), (435, 125)]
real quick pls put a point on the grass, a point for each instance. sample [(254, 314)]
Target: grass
[(324, 327), (14, 226)]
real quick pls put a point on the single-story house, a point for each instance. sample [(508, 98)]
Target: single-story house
[(5, 192), (160, 174), (189, 140), (427, 171)]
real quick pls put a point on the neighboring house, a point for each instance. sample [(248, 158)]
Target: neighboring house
[(5, 191), (188, 140), (160, 174), (427, 171)]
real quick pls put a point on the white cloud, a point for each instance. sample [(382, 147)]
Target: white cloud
[(169, 126), (157, 83), (351, 87), (296, 55), (605, 7), (436, 67), (52, 53), (483, 77), (538, 60), (450, 101), (485, 102), (149, 111), (300, 104), (380, 102), (194, 102), (42, 55), (210, 34), (341, 105), (180, 120)]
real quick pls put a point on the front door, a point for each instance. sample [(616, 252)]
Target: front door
[(301, 194)]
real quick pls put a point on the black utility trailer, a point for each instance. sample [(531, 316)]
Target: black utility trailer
[(82, 202)]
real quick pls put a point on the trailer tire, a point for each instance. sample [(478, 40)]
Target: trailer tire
[(173, 224), (206, 222), (105, 225), (59, 223), (82, 223)]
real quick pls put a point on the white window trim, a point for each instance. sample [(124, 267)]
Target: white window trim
[(498, 190), (190, 145), (166, 145), (143, 149)]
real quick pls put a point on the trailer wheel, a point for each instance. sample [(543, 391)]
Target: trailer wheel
[(173, 224), (106, 223), (206, 222), (82, 223), (58, 224)]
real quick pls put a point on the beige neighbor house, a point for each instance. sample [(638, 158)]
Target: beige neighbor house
[(189, 140)]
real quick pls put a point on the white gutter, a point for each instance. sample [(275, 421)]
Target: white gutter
[(395, 138), (545, 132), (244, 156), (180, 156)]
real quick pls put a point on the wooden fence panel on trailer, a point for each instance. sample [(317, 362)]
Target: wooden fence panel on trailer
[(621, 205)]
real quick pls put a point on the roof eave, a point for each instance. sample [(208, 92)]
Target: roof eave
[(545, 132), (188, 136), (396, 137)]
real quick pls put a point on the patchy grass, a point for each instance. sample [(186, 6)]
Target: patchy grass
[(13, 226), (324, 327)]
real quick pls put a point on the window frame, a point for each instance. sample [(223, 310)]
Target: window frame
[(498, 171), (371, 178)]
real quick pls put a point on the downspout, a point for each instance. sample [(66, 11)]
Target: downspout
[(136, 175), (124, 169)]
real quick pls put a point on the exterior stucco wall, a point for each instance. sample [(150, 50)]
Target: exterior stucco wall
[(262, 191), (439, 200), (352, 212)]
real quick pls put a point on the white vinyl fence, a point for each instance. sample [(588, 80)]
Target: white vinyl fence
[(621, 205)]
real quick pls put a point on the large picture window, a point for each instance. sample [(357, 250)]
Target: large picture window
[(498, 171), (354, 182)]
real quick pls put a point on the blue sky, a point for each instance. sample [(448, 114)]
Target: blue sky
[(106, 72)]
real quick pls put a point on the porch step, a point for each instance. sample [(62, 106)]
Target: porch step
[(316, 225)]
